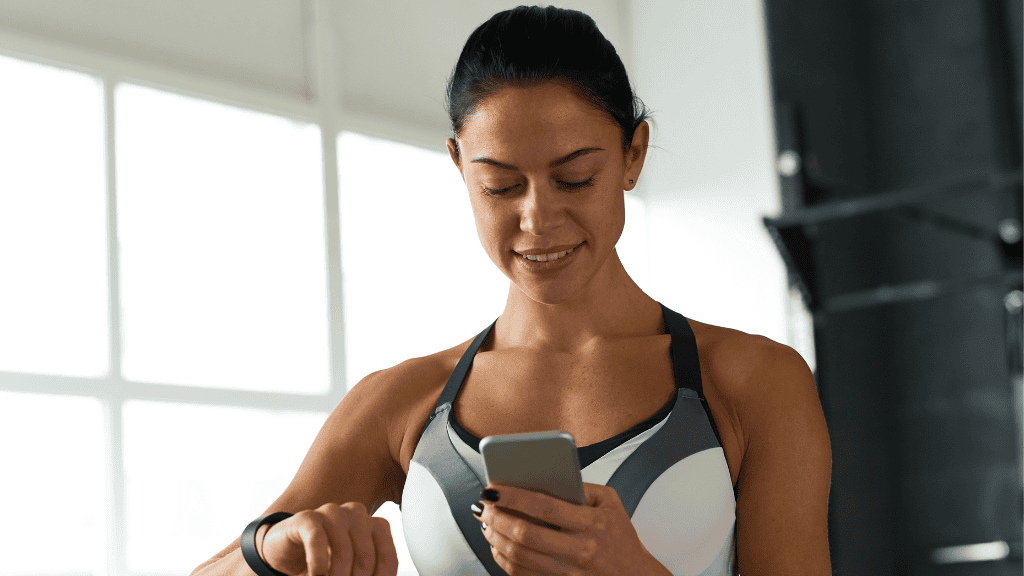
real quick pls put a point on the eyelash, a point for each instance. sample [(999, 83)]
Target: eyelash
[(568, 185)]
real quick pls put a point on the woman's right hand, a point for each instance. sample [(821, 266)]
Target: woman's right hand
[(333, 540)]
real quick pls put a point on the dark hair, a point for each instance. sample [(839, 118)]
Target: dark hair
[(528, 46)]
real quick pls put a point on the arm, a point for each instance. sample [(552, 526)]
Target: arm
[(352, 459), (783, 487)]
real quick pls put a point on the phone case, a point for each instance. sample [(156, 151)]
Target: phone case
[(546, 462)]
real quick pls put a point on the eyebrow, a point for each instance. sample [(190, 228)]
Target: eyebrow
[(563, 160)]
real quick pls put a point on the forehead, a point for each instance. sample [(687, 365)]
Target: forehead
[(535, 122)]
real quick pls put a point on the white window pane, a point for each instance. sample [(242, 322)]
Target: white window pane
[(416, 279), (196, 475), (52, 455), (53, 254), (223, 266)]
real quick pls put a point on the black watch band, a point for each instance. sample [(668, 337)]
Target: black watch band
[(248, 540)]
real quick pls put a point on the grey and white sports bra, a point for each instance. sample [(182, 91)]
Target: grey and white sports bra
[(670, 472)]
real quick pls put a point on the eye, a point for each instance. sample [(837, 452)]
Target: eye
[(491, 192), (577, 185), (566, 185)]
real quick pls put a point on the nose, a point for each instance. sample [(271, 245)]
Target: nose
[(542, 210)]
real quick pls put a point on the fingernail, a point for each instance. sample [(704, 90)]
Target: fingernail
[(477, 508), (490, 494)]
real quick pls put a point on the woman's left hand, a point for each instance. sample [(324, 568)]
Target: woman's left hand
[(597, 538)]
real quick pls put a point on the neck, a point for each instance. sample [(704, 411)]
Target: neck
[(609, 307)]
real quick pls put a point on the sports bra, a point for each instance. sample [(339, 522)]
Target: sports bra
[(669, 471)]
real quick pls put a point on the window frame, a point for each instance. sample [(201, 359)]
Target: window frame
[(113, 391)]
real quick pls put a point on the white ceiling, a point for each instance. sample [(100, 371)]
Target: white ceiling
[(392, 58)]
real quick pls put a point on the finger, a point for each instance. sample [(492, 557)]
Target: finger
[(337, 528), (505, 529), (599, 495), (316, 543), (384, 543), (564, 515), (364, 556), (519, 560)]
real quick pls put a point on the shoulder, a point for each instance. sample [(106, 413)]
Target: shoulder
[(743, 364), (758, 379), (773, 398), (406, 394), (783, 486)]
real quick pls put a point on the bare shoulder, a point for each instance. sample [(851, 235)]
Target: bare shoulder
[(749, 372), (782, 462), (413, 387), (737, 361)]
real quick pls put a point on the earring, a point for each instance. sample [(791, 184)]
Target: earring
[(630, 181)]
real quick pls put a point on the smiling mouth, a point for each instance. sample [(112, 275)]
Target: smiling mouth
[(548, 257)]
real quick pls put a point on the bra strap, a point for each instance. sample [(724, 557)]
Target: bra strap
[(685, 361), (451, 388)]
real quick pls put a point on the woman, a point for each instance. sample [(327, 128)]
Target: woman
[(732, 462)]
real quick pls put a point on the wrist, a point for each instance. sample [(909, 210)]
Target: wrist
[(249, 543), (261, 535)]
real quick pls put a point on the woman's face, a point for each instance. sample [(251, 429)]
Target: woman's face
[(546, 173)]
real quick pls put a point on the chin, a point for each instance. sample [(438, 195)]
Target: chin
[(549, 294)]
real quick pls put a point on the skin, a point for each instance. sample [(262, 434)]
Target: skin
[(528, 128), (575, 312)]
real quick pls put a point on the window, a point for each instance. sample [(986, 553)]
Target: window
[(53, 458), (416, 279), (53, 255), (221, 230), (195, 475), (153, 328)]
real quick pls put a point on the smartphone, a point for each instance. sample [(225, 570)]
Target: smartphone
[(545, 462)]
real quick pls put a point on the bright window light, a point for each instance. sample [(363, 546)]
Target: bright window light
[(53, 461), (416, 279), (223, 257), (196, 475), (53, 240)]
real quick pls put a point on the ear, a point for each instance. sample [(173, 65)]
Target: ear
[(638, 150), (636, 154)]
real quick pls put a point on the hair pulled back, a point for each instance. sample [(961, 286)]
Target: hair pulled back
[(529, 46)]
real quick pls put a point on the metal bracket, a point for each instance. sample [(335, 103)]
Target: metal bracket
[(793, 233)]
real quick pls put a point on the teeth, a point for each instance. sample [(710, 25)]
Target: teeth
[(548, 257)]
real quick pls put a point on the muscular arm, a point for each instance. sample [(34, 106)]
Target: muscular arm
[(783, 487)]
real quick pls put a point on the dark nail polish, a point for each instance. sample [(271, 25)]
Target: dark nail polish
[(477, 508), (490, 494)]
